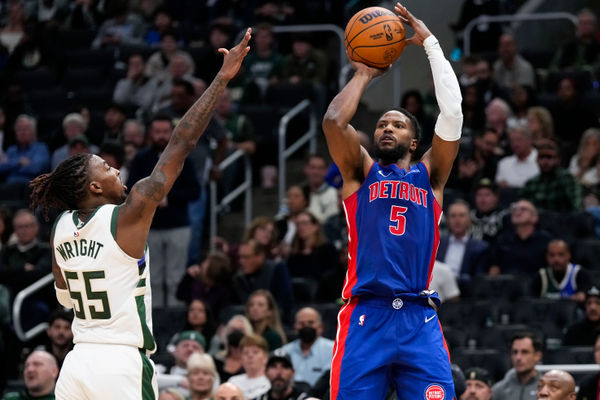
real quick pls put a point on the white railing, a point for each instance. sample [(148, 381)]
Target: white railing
[(488, 19), (18, 304), (285, 153), (245, 188)]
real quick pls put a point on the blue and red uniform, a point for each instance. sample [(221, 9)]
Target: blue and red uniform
[(388, 329)]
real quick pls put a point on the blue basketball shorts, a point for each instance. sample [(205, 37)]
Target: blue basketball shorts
[(385, 340)]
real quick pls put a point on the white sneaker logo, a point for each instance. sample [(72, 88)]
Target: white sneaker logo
[(385, 176), (430, 318)]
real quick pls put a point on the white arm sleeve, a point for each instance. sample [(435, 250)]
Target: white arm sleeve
[(63, 296), (447, 92)]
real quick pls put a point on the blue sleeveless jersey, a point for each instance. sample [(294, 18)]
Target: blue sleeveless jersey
[(393, 232)]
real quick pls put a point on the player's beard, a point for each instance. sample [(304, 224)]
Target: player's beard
[(391, 156)]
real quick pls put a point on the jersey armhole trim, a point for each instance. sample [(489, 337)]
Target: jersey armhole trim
[(113, 222), (56, 222)]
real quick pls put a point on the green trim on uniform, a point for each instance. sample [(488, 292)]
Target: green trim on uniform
[(76, 220), (149, 343), (113, 222), (142, 283), (147, 375)]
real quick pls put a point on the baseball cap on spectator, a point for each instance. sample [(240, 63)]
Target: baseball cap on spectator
[(284, 359), (479, 374), (190, 335), (593, 291), (487, 183)]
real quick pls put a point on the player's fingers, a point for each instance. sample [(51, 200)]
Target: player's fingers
[(412, 40), (223, 51), (246, 38)]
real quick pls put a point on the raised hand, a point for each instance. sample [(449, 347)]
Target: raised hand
[(421, 30), (234, 57), (364, 68)]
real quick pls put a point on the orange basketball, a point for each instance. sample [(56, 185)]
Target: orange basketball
[(375, 36)]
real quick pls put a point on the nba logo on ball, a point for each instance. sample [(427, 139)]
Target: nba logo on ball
[(435, 392)]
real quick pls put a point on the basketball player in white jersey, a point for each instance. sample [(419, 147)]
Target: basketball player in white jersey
[(100, 257)]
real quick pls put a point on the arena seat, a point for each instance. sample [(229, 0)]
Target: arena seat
[(477, 313), (507, 287), (304, 290), (496, 362), (166, 322), (587, 253), (569, 355)]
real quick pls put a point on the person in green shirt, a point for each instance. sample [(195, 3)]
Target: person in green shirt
[(40, 375)]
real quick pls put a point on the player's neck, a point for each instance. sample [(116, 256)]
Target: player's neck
[(89, 205)]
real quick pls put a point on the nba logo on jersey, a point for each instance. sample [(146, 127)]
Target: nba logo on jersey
[(76, 234), (361, 320), (435, 392)]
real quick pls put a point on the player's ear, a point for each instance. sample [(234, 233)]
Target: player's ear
[(413, 145), (95, 187)]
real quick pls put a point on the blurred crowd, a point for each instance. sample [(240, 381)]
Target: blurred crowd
[(518, 264)]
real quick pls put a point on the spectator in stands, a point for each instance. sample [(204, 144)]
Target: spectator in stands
[(588, 386), (511, 68), (181, 347), (229, 359), (134, 132), (311, 254), (323, 198), (306, 65), (263, 314), (253, 382), (311, 353), (5, 227), (202, 376), (556, 385), (181, 66), (497, 114), (262, 66), (136, 89), (114, 118), (121, 28), (229, 391), (487, 85), (555, 188), (257, 272), (40, 375), (157, 64), (478, 384), (521, 381), (585, 331), (571, 115), (209, 281), (476, 162), (330, 285), (183, 96), (522, 97), (79, 145), (73, 125), (584, 163), (468, 74), (162, 22), (220, 35), (27, 158), (540, 123), (514, 170), (297, 199), (13, 31), (60, 335), (465, 255), (582, 51), (170, 230), (280, 372), (170, 394), (487, 216), (444, 282), (473, 110), (200, 318), (520, 249), (28, 259), (561, 279)]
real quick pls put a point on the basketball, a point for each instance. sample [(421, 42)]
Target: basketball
[(375, 36)]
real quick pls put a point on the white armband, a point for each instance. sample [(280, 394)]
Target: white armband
[(63, 296), (447, 92)]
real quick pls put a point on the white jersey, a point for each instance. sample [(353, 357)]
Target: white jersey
[(110, 290)]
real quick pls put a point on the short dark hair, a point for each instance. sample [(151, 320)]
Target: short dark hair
[(416, 127), (60, 313), (186, 85), (535, 340), (161, 117)]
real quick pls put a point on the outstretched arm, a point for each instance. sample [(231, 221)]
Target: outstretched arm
[(135, 216), (440, 158), (342, 139)]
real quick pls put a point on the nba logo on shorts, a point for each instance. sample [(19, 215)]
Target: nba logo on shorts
[(435, 392), (361, 320)]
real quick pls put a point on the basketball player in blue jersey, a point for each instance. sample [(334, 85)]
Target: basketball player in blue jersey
[(101, 261), (388, 329)]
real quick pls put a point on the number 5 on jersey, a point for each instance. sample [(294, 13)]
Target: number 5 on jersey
[(102, 296), (398, 220)]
